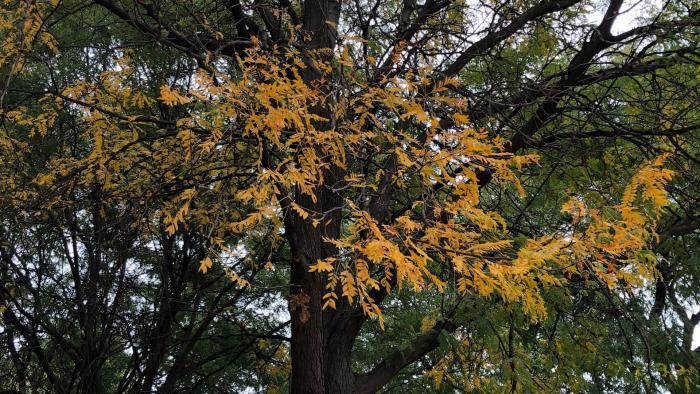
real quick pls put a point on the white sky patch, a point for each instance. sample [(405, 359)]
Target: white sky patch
[(631, 15)]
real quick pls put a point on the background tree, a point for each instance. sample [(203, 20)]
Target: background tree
[(374, 165)]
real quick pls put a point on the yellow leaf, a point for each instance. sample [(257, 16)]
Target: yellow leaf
[(300, 211), (205, 264), (427, 323), (321, 266), (171, 97)]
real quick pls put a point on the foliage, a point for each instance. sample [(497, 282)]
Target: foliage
[(351, 173)]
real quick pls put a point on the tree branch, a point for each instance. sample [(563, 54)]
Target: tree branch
[(390, 366)]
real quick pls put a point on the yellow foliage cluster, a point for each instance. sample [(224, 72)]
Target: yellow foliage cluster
[(21, 28), (279, 127)]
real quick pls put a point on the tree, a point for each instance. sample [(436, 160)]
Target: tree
[(357, 154)]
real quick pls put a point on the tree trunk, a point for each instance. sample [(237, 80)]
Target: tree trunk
[(311, 361), (338, 362), (321, 357)]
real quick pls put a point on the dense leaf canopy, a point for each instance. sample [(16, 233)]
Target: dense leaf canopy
[(374, 195)]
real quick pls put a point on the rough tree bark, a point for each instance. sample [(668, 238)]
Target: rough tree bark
[(312, 370)]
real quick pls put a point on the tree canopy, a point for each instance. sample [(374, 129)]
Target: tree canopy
[(326, 197)]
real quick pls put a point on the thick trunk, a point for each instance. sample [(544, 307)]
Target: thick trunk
[(307, 338), (321, 360), (90, 379), (90, 368), (313, 360), (339, 377), (306, 315), (318, 364)]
